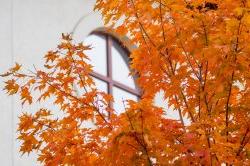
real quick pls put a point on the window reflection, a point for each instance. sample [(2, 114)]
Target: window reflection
[(101, 85), (119, 99), (120, 69), (97, 54)]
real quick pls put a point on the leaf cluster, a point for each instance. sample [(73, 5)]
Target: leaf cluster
[(196, 52)]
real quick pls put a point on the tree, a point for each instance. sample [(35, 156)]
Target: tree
[(195, 51)]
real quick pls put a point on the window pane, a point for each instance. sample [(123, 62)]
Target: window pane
[(101, 85), (120, 96), (97, 54), (120, 69)]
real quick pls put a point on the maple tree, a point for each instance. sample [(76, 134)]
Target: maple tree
[(197, 52)]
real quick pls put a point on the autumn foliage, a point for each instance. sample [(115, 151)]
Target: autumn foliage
[(197, 52)]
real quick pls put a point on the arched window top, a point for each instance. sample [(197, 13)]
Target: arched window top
[(98, 53), (110, 61)]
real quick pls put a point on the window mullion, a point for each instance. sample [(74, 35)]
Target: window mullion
[(109, 66), (109, 60)]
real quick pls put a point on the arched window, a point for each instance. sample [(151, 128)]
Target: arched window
[(110, 63)]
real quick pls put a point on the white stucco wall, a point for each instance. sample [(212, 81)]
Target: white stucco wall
[(6, 115)]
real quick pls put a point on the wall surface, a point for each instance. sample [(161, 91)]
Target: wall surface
[(6, 58)]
